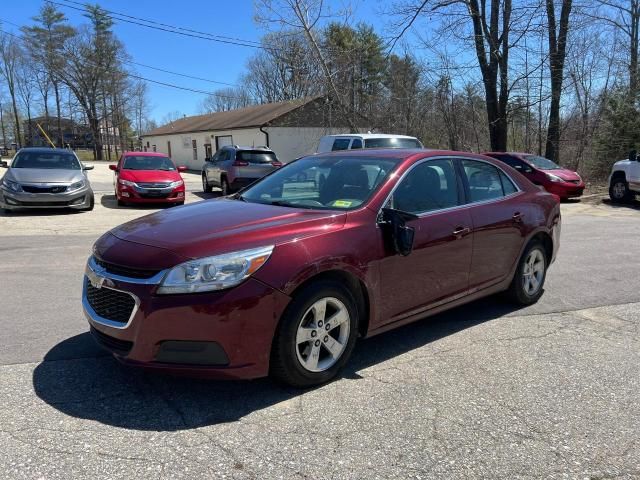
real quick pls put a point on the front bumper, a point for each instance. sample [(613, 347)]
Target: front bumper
[(147, 195), (566, 189), (78, 199), (223, 334)]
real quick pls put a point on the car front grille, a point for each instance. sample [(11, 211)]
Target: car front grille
[(154, 195), (115, 345), (110, 304), (125, 271), (577, 182), (44, 189), (41, 204), (154, 185)]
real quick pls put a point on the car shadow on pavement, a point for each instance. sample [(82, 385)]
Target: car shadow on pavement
[(110, 201), (45, 212), (633, 204), (82, 381), (207, 195)]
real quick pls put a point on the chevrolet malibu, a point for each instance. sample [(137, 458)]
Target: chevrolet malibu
[(284, 276)]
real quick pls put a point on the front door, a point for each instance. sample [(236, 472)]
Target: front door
[(437, 269)]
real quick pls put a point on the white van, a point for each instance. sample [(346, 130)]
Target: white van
[(349, 141)]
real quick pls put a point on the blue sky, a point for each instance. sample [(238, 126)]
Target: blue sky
[(202, 58)]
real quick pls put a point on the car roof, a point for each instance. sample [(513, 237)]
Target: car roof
[(516, 154), (240, 147), (371, 135), (44, 149), (401, 153), (144, 154)]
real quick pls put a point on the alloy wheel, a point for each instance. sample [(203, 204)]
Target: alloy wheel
[(619, 190), (533, 272), (322, 334)]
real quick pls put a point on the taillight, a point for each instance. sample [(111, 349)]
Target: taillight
[(276, 164), (240, 163)]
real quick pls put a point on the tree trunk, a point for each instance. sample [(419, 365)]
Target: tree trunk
[(4, 135), (557, 55), (60, 137), (94, 125), (633, 53)]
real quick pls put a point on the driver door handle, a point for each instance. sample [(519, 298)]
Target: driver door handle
[(517, 217), (461, 232)]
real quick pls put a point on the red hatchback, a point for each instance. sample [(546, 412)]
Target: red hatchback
[(283, 277), (148, 177), (557, 180)]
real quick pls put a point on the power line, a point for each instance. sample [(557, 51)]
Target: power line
[(168, 28), (139, 77), (181, 74)]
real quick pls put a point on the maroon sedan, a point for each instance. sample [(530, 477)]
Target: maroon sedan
[(282, 277), (560, 181)]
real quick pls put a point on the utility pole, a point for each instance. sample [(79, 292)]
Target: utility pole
[(4, 138)]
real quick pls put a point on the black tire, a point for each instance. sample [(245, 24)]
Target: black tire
[(285, 366), (619, 190), (121, 203), (517, 292), (206, 188), (7, 211), (224, 186), (92, 202), (177, 204)]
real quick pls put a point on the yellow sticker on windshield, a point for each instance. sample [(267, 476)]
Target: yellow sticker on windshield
[(342, 203)]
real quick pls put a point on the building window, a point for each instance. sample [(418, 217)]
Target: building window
[(169, 148), (194, 145)]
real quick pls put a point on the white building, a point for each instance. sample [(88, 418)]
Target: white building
[(291, 129)]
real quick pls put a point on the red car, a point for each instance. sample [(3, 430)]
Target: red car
[(557, 180), (148, 177), (284, 276)]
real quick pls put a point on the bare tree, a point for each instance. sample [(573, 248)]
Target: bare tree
[(557, 54), (226, 99), (9, 58)]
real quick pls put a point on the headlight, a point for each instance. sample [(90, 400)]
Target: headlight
[(554, 178), (75, 186), (11, 185), (214, 273), (127, 183), (176, 184)]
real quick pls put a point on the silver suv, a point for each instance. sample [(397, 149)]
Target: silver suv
[(234, 167)]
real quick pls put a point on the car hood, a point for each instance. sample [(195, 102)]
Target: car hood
[(622, 163), (151, 176), (219, 226), (564, 174), (44, 175)]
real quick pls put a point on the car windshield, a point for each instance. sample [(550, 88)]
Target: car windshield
[(541, 162), (327, 183), (392, 143), (49, 160), (142, 162), (256, 156)]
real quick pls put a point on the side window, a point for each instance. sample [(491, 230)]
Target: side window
[(513, 162), (194, 145), (340, 144), (484, 181), (429, 186), (357, 143), (507, 185), (224, 155)]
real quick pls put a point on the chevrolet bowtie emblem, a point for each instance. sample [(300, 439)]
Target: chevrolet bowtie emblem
[(97, 279)]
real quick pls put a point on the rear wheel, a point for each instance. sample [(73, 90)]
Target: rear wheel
[(205, 184), (619, 190), (224, 186), (316, 335), (528, 282)]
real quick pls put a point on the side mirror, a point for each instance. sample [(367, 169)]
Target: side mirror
[(182, 168), (87, 167), (401, 235), (113, 167), (4, 164)]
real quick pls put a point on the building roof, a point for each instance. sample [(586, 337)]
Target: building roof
[(254, 116)]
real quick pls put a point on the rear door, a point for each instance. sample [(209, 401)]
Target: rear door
[(255, 163), (497, 215), (437, 270)]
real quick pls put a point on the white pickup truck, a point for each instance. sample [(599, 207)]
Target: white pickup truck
[(624, 181)]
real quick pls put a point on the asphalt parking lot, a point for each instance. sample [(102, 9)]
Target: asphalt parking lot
[(483, 391)]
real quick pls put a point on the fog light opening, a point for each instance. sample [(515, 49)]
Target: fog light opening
[(10, 201), (125, 194), (77, 201)]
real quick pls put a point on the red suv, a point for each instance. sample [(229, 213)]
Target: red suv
[(560, 181), (283, 277), (148, 177)]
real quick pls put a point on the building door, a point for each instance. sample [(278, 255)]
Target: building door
[(169, 148), (223, 141), (207, 150)]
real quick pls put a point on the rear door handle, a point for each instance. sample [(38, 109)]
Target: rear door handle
[(517, 217), (461, 232)]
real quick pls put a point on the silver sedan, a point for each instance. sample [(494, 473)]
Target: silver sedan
[(46, 178)]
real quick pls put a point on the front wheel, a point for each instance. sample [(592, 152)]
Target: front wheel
[(206, 188), (224, 186), (528, 282), (619, 190), (316, 335)]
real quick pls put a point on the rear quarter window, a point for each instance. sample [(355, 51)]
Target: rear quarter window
[(340, 144)]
